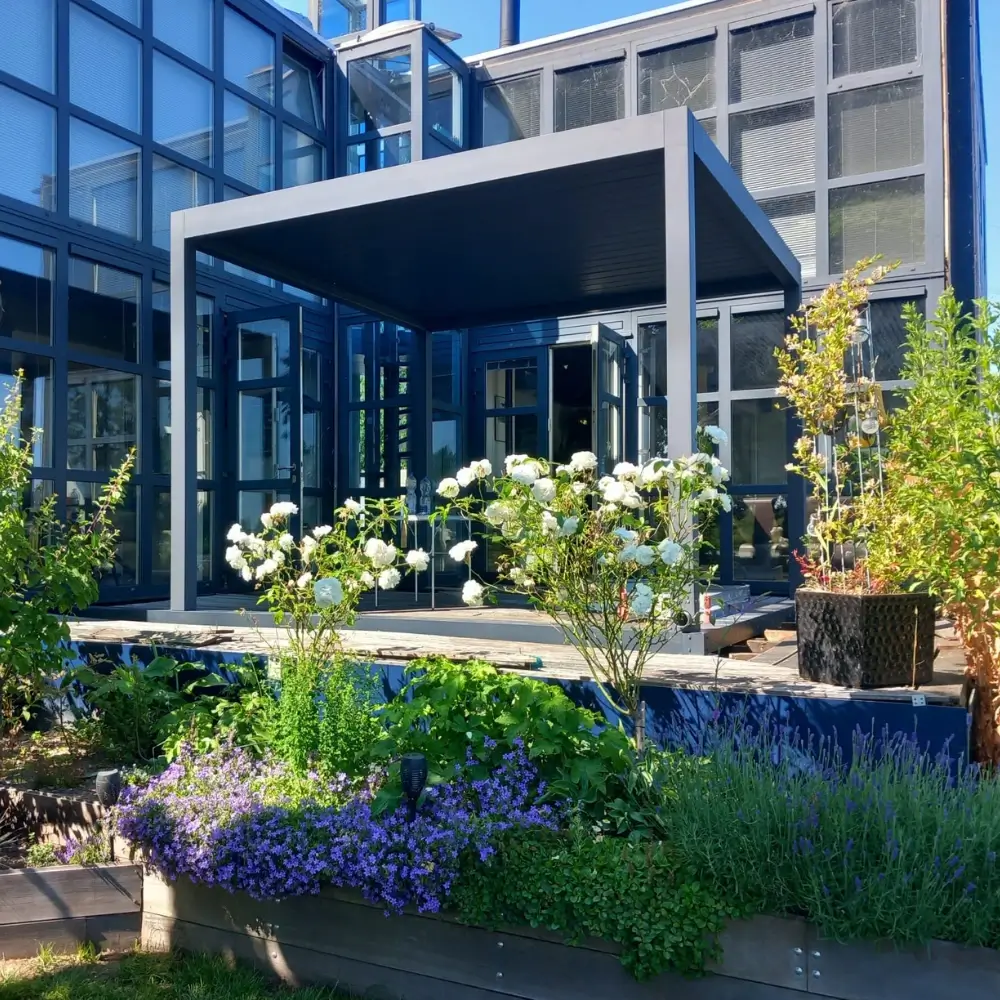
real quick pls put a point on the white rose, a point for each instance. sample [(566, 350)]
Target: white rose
[(380, 554), (278, 558), (625, 470), (641, 605), (614, 492), (353, 506), (462, 551), (644, 555), (482, 468), (550, 523), (727, 502), (328, 592), (583, 461), (246, 572), (511, 460), (631, 499), (266, 568), (625, 534), (472, 593), (255, 545), (367, 580), (526, 473), (607, 509), (716, 434), (604, 482), (627, 554), (653, 472), (708, 494), (465, 477), (284, 508), (321, 531), (449, 488), (303, 581), (309, 546), (285, 542), (388, 579), (267, 520), (670, 552), (543, 490), (496, 513), (418, 560), (579, 488), (569, 526), (234, 557), (235, 534)]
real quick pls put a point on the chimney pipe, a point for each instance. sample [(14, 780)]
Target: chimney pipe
[(510, 22)]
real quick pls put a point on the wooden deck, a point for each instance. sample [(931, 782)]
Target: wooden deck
[(774, 672)]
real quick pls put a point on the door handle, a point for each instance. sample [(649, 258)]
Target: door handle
[(286, 468)]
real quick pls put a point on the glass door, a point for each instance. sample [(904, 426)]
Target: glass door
[(266, 361), (609, 394)]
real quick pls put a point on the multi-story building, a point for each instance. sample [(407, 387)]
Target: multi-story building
[(857, 125)]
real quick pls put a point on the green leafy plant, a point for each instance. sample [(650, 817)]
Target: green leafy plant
[(636, 895), (349, 723), (941, 528), (47, 569), (133, 701), (446, 709), (41, 855)]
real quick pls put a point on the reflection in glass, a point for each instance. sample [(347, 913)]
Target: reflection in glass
[(312, 512), (357, 427), (376, 154), (253, 503), (311, 383), (81, 502), (36, 400), (444, 447), (104, 68), (653, 357), (28, 41), (248, 149), (103, 310), (182, 108), (302, 158), (176, 188), (27, 149), (187, 26), (357, 337), (653, 427), (445, 111), (265, 434), (511, 435), (761, 547), (512, 110), (589, 95), (26, 276), (103, 417), (162, 431), (342, 17), (161, 536), (161, 329), (265, 348), (446, 368), (380, 89), (311, 449), (302, 91), (754, 339), (609, 451), (249, 59), (760, 441), (511, 383), (104, 176)]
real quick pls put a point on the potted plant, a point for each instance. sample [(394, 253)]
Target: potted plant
[(855, 629)]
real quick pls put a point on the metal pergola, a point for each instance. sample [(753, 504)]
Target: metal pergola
[(621, 215)]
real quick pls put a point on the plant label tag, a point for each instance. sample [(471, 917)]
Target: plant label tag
[(919, 701)]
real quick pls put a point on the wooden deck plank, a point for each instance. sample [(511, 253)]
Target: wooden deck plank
[(38, 894)]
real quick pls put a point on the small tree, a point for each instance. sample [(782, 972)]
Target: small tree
[(47, 568), (611, 560)]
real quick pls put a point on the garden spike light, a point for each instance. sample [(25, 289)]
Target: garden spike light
[(413, 772)]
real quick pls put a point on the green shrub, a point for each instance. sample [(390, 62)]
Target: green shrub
[(41, 855), (348, 725), (635, 895)]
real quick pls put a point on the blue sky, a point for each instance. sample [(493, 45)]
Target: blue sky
[(479, 21)]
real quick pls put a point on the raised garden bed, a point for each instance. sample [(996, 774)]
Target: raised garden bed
[(337, 938), (65, 906)]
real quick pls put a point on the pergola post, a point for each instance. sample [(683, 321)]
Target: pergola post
[(183, 420), (682, 297)]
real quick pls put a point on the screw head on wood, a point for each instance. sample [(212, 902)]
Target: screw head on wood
[(796, 951), (816, 954), (798, 971), (816, 974)]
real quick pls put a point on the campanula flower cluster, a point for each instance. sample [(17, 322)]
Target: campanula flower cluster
[(227, 820)]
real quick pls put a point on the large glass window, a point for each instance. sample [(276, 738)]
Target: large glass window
[(759, 441), (249, 143), (82, 500), (761, 546), (249, 56), (36, 399), (302, 158), (302, 91), (769, 59), (589, 95), (175, 188), (104, 177), (105, 69), (888, 332), (27, 149), (265, 349), (162, 431), (28, 41), (883, 218), (399, 10), (161, 536), (877, 128), (445, 113), (161, 330), (103, 310), (653, 357), (380, 91), (756, 135), (678, 76), (753, 341), (794, 217), (342, 17), (182, 109), (376, 154), (512, 110), (130, 10), (873, 34), (27, 273), (102, 415), (187, 25)]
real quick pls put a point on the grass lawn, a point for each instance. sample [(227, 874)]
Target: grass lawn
[(143, 977)]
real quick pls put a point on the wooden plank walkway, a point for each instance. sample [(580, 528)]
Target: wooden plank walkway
[(774, 672)]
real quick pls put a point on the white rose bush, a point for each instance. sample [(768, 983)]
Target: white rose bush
[(610, 559)]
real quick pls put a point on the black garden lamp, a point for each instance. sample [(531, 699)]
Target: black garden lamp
[(413, 771), (109, 787)]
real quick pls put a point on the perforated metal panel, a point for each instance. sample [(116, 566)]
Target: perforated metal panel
[(512, 110), (772, 58), (889, 335), (885, 218), (774, 147), (873, 34), (877, 128), (590, 95), (678, 76), (795, 219)]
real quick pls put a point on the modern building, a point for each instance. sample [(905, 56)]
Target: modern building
[(856, 126)]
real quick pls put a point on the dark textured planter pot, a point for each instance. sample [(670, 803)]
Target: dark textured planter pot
[(865, 640)]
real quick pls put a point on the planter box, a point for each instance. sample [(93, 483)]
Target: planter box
[(336, 938), (64, 906), (52, 817), (865, 640)]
